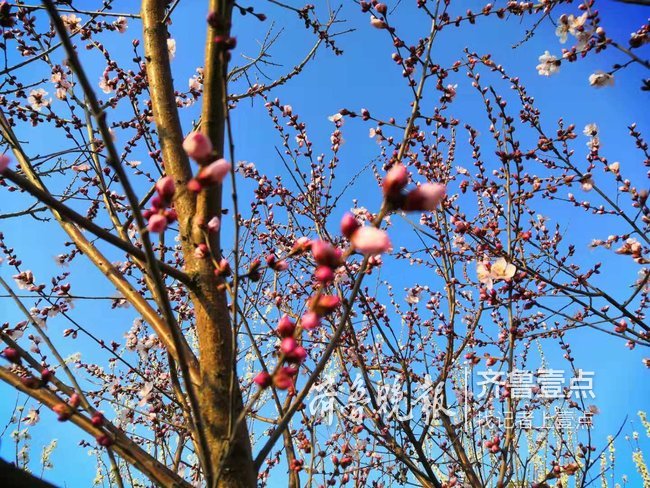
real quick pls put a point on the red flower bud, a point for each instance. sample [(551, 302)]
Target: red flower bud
[(425, 197), (286, 327), (97, 419), (324, 305), (287, 345), (194, 186), (104, 440), (63, 411), (310, 321), (349, 224), (12, 355), (396, 179), (31, 382), (157, 223), (74, 400), (46, 375), (4, 162), (324, 274), (166, 188), (283, 379), (197, 146), (263, 379), (298, 355), (325, 254)]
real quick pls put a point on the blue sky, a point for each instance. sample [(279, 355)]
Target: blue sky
[(366, 77)]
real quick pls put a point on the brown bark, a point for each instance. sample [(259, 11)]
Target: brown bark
[(231, 465)]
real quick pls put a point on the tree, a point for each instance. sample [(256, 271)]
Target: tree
[(243, 316)]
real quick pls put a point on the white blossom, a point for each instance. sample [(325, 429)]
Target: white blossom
[(37, 99), (121, 25), (600, 79), (171, 48), (548, 64)]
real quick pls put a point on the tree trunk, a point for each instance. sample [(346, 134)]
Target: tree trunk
[(231, 465)]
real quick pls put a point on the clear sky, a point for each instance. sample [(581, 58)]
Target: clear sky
[(366, 77)]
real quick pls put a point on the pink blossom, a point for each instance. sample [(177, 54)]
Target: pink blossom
[(287, 345), (310, 321), (324, 304), (197, 146), (396, 179), (286, 327), (157, 223), (369, 240), (349, 224), (324, 274), (201, 251), (194, 185), (325, 254), (298, 355), (281, 265), (263, 379), (4, 162), (214, 224), (283, 379), (425, 197), (302, 244), (166, 187), (215, 172)]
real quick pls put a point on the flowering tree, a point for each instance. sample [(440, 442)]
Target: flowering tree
[(251, 314)]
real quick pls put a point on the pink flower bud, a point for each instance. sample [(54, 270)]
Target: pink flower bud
[(298, 355), (324, 305), (349, 224), (157, 223), (263, 379), (369, 240), (166, 188), (324, 274), (194, 185), (4, 162), (281, 265), (325, 254), (201, 251), (97, 419), (104, 440), (287, 345), (157, 203), (223, 268), (286, 327), (282, 380), (12, 355), (310, 321), (381, 8), (425, 197), (197, 146), (31, 382), (302, 244), (171, 215), (63, 411), (74, 400), (214, 173), (396, 179), (214, 224)]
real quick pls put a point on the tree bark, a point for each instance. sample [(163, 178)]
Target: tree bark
[(232, 465)]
